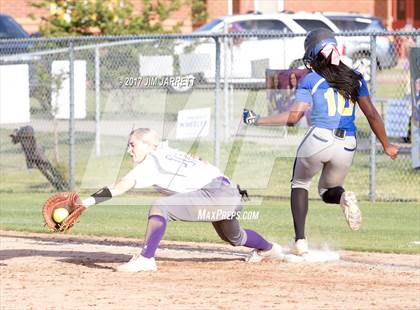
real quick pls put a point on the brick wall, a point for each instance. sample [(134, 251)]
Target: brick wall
[(183, 15), (216, 8), (358, 6), (19, 10), (246, 6)]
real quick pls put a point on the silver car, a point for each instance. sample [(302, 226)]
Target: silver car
[(358, 48)]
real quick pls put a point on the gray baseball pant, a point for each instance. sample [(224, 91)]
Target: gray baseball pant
[(320, 150), (218, 202)]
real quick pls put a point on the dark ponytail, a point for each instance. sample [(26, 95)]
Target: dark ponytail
[(341, 77)]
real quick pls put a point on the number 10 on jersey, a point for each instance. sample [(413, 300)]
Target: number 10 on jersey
[(339, 105)]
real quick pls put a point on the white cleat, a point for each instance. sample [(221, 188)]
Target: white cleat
[(300, 247), (138, 263), (275, 253), (352, 213)]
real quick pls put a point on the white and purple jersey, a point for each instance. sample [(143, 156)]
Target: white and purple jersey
[(329, 108), (171, 170)]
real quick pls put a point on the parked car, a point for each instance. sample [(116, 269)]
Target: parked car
[(246, 58), (10, 29), (311, 21), (358, 48)]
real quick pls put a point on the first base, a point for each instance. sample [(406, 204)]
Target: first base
[(313, 256)]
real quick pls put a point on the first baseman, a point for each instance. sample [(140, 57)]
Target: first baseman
[(197, 191), (330, 90)]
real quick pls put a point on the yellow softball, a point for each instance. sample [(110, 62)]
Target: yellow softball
[(60, 214)]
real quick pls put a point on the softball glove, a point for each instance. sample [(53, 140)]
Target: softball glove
[(68, 200)]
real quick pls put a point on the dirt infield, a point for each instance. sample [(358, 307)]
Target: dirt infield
[(42, 271)]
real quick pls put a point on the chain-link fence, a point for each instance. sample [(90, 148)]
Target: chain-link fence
[(67, 106)]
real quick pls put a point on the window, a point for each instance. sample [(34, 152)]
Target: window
[(401, 9), (377, 25), (236, 7), (259, 25), (209, 26), (309, 24), (348, 24), (358, 24), (248, 25), (416, 11), (341, 24), (277, 25)]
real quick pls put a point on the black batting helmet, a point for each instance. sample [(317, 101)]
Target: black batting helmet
[(315, 41)]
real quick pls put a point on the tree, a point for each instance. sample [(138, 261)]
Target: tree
[(108, 17), (199, 12)]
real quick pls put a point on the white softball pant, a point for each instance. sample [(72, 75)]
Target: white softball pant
[(319, 150)]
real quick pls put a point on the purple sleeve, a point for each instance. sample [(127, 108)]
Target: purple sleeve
[(363, 90), (303, 92)]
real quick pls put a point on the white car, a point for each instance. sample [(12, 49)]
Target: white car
[(246, 58)]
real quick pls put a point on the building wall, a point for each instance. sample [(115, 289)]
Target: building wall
[(247, 6), (358, 6), (183, 16), (19, 10), (270, 6), (216, 8)]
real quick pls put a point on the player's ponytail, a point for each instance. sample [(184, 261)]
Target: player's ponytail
[(341, 77)]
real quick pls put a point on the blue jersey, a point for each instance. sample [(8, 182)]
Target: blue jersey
[(329, 108)]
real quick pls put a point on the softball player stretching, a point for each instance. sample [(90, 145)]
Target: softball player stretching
[(197, 192), (330, 90)]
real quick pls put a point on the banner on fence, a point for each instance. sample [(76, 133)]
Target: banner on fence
[(415, 118), (193, 123), (60, 84), (14, 94)]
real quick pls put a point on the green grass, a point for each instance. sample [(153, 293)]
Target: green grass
[(265, 169), (392, 83), (387, 227)]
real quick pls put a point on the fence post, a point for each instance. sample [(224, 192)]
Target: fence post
[(97, 103), (226, 101), (216, 159), (372, 157), (72, 159)]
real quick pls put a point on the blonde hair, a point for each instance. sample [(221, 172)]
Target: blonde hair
[(146, 135)]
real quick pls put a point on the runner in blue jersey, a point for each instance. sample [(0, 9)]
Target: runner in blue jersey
[(331, 90)]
